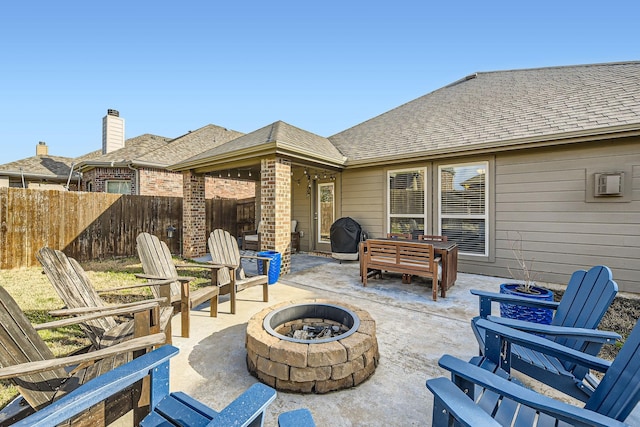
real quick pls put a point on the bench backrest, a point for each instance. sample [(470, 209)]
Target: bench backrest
[(400, 255)]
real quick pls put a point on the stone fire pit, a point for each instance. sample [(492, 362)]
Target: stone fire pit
[(312, 366)]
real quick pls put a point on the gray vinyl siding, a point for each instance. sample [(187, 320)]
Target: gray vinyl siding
[(363, 198), (541, 194), (301, 209)]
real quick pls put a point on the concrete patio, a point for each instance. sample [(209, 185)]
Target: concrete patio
[(413, 332)]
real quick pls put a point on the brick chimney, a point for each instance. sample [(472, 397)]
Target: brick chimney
[(42, 149), (112, 132)]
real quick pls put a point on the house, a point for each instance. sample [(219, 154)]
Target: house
[(134, 166), (139, 166), (41, 171), (548, 155)]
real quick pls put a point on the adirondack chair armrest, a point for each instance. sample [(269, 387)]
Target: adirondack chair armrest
[(448, 397), (246, 407), (497, 297), (496, 332), (297, 418), (593, 335), (158, 280), (99, 389), (107, 312), (263, 258), (203, 265), (486, 298), (563, 411), (62, 362), (84, 310)]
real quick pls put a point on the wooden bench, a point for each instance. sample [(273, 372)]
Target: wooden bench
[(399, 256)]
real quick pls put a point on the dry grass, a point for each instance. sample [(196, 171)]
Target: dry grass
[(32, 291)]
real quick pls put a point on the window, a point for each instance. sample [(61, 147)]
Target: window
[(406, 197), (118, 187), (464, 206)]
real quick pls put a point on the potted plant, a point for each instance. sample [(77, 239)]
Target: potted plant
[(525, 287)]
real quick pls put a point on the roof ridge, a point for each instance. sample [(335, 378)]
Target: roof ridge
[(557, 67)]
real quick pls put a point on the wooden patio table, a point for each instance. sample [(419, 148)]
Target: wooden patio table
[(447, 251)]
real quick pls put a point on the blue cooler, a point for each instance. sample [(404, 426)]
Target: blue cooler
[(274, 265)]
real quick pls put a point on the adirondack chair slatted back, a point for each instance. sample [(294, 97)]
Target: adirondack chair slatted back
[(75, 289), (157, 261), (586, 299), (20, 343), (223, 248), (619, 391)]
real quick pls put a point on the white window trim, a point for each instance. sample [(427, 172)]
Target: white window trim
[(485, 217), (388, 191)]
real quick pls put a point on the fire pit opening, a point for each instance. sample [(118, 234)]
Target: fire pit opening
[(314, 346), (311, 323)]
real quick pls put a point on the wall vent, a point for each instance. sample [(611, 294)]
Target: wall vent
[(609, 184)]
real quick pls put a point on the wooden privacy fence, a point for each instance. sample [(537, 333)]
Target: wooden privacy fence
[(96, 225)]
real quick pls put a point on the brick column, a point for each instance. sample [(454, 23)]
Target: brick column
[(275, 208), (194, 239)]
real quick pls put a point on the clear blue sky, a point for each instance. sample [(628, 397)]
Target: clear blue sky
[(324, 66)]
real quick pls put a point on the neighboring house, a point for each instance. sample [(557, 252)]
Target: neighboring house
[(133, 166), (549, 155), (41, 171), (139, 165)]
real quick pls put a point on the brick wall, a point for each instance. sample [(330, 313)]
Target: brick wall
[(229, 188), (194, 212), (275, 195), (99, 176), (160, 182)]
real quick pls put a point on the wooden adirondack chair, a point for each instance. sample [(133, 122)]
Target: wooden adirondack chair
[(166, 408), (72, 285), (229, 274), (158, 264), (489, 393), (577, 315), (41, 378)]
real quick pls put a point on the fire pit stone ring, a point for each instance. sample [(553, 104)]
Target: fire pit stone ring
[(312, 366)]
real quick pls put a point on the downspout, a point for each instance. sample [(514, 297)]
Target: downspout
[(69, 179), (136, 171), (22, 176)]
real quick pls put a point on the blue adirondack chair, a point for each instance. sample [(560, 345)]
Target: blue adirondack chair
[(165, 408), (486, 395), (577, 315)]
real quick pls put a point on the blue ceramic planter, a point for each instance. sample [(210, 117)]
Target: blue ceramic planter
[(529, 314)]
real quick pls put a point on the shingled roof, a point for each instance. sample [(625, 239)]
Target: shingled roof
[(185, 146), (497, 109), (278, 137), (39, 167), (133, 149)]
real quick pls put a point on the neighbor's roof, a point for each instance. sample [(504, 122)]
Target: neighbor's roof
[(497, 109), (134, 148), (41, 167), (185, 146), (278, 137)]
